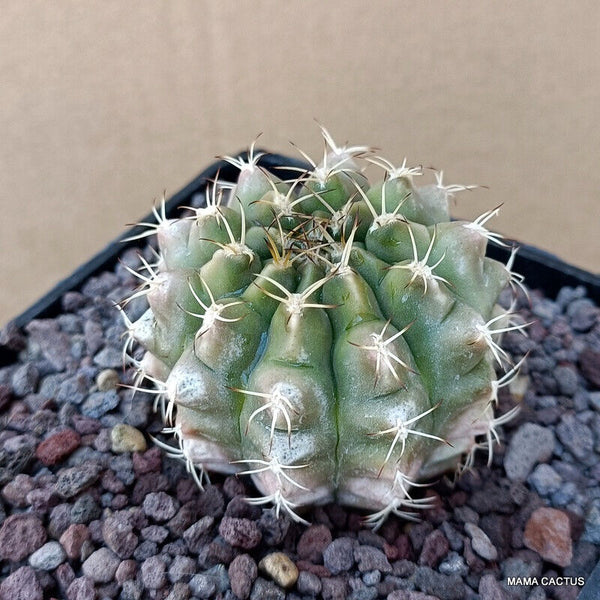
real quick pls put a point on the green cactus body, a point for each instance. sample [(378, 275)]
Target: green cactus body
[(335, 340)]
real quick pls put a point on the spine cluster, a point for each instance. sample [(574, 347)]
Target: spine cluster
[(335, 340)]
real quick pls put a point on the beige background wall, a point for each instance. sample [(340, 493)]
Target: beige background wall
[(106, 104)]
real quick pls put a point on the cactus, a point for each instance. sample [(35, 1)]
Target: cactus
[(336, 340)]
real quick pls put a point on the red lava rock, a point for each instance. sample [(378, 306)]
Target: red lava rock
[(73, 538), (65, 576), (85, 425), (434, 548), (404, 546), (476, 564), (548, 532), (312, 543), (82, 588), (5, 396), (126, 570), (318, 570), (241, 533), (589, 363), (147, 462), (15, 491), (390, 551), (58, 446), (242, 573), (334, 587), (21, 585), (21, 535)]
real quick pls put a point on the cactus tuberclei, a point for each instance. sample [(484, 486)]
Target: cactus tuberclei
[(336, 340)]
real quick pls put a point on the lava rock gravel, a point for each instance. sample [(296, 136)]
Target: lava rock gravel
[(91, 509)]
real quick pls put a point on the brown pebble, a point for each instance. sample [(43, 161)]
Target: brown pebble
[(108, 379), (280, 568), (58, 446), (125, 438), (548, 532)]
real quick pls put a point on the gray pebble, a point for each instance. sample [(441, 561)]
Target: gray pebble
[(153, 573), (132, 590), (99, 403), (576, 437), (145, 550), (25, 379), (545, 310), (566, 379), (545, 480), (564, 494), (54, 344), (372, 577), (180, 591), (531, 444), (454, 564), (94, 336), (72, 301), (594, 400), (568, 294), (100, 285), (73, 480), (339, 555), (160, 506), (203, 586), (195, 535), (182, 569), (267, 590), (308, 583), (220, 577), (122, 465), (369, 558), (445, 587), (481, 542), (527, 564), (101, 565), (490, 588), (85, 509), (592, 524), (109, 358), (118, 534), (50, 385), (73, 390), (155, 533), (48, 557), (582, 314), (363, 593)]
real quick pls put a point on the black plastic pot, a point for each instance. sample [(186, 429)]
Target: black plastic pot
[(541, 270)]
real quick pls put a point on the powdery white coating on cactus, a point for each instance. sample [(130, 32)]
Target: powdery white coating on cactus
[(331, 338)]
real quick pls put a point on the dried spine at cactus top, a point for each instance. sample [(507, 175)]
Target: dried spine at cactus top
[(334, 339)]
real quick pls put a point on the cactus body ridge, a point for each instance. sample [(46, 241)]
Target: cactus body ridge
[(332, 338)]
